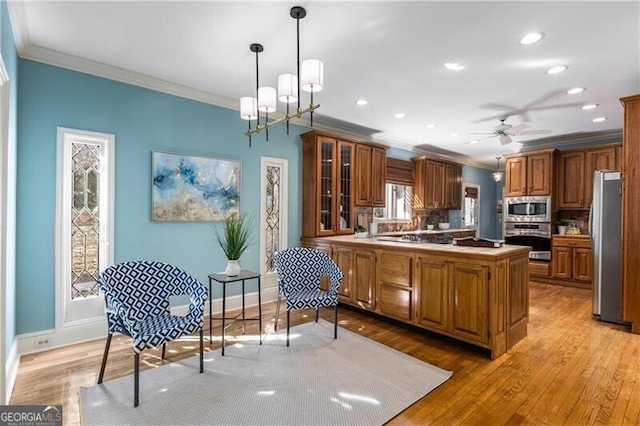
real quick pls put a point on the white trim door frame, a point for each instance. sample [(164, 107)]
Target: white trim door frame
[(4, 206)]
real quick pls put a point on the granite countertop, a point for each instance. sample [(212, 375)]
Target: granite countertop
[(420, 232), (440, 249)]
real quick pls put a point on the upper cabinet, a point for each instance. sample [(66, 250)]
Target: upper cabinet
[(371, 168), (529, 173), (327, 195), (575, 169), (338, 174), (436, 184)]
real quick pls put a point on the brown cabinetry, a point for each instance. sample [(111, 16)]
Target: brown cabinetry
[(575, 174), (327, 194), (630, 203), (395, 278), (466, 293), (436, 184), (572, 258), (364, 279), (371, 168), (529, 174)]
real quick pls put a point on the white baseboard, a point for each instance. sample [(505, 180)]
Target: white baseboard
[(83, 331), (11, 370)]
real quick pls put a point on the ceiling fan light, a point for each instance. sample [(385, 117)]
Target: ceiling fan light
[(266, 99), (312, 75), (287, 88), (248, 108)]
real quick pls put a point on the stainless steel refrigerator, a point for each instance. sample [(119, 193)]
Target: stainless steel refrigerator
[(605, 230)]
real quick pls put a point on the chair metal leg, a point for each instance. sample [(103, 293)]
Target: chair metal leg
[(201, 352), (164, 350), (317, 313), (335, 321), (104, 357), (287, 327), (136, 378), (275, 327)]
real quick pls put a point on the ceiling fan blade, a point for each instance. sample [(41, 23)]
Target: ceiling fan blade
[(518, 128), (473, 141), (533, 132), (484, 133), (505, 139)]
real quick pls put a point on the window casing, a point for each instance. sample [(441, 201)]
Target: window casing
[(84, 222)]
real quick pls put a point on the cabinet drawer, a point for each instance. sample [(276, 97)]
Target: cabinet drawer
[(539, 269), (571, 242)]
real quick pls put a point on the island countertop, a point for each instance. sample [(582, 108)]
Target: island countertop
[(452, 250)]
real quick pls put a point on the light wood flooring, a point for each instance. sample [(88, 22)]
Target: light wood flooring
[(569, 370)]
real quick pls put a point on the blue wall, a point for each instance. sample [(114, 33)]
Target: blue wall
[(10, 58), (142, 120)]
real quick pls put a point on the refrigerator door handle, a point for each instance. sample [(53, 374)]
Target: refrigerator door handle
[(591, 224)]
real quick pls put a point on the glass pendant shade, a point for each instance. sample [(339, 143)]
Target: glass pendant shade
[(266, 99), (497, 176), (248, 108), (287, 88), (312, 75)]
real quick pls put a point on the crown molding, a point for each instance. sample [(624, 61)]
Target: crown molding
[(75, 63)]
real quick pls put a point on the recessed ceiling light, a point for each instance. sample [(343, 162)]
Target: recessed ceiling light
[(453, 135), (399, 115), (454, 66), (472, 142), (362, 102), (531, 38), (589, 106), (431, 126), (575, 90), (599, 119), (557, 70)]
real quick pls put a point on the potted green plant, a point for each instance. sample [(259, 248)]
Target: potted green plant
[(562, 226), (234, 237), (361, 231), (431, 222)]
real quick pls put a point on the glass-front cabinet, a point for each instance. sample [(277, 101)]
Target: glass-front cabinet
[(327, 186)]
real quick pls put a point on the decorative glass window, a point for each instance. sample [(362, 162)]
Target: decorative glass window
[(273, 214), (272, 219), (84, 222)]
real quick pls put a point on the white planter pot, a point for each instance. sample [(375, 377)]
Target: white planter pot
[(562, 229), (233, 268), (429, 227)]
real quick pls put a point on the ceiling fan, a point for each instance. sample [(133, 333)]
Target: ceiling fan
[(505, 131)]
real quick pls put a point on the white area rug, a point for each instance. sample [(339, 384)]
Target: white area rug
[(316, 381)]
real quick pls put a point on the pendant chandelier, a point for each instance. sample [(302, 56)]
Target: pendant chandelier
[(497, 175), (309, 77)]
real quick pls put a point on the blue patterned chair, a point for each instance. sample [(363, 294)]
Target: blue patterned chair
[(299, 270), (137, 305)]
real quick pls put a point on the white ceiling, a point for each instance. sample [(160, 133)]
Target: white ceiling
[(391, 53)]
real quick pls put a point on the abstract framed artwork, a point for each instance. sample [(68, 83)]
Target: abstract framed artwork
[(193, 189)]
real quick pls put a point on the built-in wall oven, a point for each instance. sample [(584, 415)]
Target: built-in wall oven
[(527, 209), (536, 235)]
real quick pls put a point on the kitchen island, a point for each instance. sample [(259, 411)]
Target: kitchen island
[(473, 294)]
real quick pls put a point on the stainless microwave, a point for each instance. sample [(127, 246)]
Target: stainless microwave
[(527, 209)]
